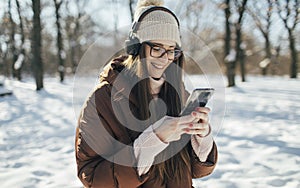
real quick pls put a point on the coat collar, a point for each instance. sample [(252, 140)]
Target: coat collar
[(120, 78)]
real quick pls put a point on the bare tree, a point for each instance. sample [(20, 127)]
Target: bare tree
[(263, 21), (289, 12), (230, 70), (241, 6), (21, 57), (73, 30), (5, 38), (234, 55), (193, 15), (37, 63), (12, 41), (227, 27), (130, 4), (59, 41)]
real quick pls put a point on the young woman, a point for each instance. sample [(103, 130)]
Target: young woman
[(129, 133)]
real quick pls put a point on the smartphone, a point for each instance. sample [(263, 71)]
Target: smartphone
[(198, 98)]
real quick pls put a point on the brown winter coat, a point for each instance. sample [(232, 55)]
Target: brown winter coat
[(97, 151)]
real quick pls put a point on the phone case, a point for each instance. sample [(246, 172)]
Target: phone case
[(198, 98)]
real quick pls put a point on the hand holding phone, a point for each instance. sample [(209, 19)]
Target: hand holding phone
[(198, 98)]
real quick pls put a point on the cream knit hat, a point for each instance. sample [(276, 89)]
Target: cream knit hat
[(157, 24)]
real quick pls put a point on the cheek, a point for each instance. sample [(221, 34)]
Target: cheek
[(167, 65), (148, 64), (147, 52)]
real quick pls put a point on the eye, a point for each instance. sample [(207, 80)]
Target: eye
[(177, 51), (171, 52), (156, 48)]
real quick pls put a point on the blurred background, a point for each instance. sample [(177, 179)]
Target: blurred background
[(41, 37), (255, 45)]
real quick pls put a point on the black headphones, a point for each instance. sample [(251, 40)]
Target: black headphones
[(132, 44)]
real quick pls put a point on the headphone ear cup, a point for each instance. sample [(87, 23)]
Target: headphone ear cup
[(132, 46)]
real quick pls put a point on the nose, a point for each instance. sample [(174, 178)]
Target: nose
[(165, 57)]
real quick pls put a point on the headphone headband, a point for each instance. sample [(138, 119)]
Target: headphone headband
[(132, 44)]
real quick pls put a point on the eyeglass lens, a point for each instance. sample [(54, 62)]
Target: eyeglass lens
[(158, 52)]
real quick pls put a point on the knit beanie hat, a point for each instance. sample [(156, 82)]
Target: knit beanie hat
[(156, 25)]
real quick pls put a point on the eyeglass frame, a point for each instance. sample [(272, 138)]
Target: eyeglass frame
[(152, 45)]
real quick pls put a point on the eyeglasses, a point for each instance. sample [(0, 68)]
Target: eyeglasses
[(158, 51)]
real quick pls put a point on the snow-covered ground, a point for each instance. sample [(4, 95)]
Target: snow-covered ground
[(258, 144)]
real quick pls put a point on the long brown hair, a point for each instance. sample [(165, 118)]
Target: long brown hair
[(178, 165)]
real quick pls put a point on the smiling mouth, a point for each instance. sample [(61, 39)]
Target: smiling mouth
[(157, 66)]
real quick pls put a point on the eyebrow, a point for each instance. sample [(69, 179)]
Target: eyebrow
[(161, 45)]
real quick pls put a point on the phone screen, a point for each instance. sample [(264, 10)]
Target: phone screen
[(198, 98)]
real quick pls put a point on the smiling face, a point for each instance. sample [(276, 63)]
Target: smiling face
[(157, 65)]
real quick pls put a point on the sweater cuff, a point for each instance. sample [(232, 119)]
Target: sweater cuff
[(202, 146), (146, 147)]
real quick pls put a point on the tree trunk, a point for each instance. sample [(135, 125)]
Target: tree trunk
[(229, 64), (294, 58), (76, 50), (75, 47), (239, 52), (5, 60), (227, 29), (60, 51), (18, 71), (291, 13), (12, 40), (268, 53), (37, 64), (242, 64), (238, 42), (131, 10), (231, 73)]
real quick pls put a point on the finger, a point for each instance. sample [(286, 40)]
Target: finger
[(186, 119), (195, 120), (195, 131), (202, 132), (185, 128), (206, 133), (198, 126), (200, 116), (205, 110)]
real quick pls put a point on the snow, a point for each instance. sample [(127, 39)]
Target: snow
[(258, 143), (19, 62), (4, 91), (231, 56), (264, 63)]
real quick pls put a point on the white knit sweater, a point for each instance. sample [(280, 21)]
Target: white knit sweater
[(148, 145)]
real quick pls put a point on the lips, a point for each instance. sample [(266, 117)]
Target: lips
[(157, 66)]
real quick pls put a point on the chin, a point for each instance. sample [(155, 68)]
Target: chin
[(156, 75)]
